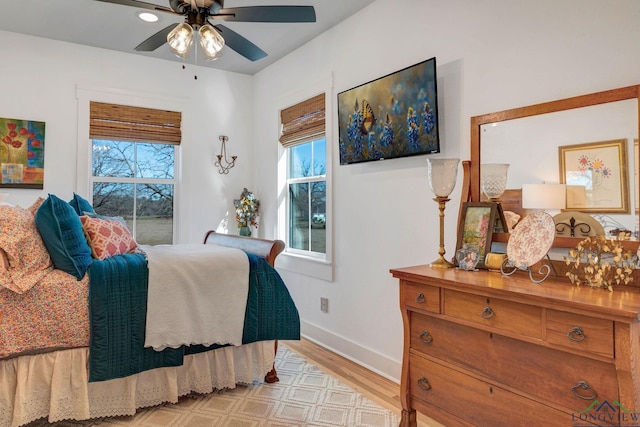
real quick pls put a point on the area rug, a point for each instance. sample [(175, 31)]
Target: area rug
[(305, 396)]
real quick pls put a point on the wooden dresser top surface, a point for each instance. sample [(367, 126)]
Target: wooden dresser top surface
[(621, 304)]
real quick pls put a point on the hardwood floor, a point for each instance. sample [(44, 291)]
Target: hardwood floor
[(375, 387)]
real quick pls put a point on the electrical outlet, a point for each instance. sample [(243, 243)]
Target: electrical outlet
[(324, 305)]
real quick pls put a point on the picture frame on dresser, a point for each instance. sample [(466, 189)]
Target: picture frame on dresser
[(475, 228)]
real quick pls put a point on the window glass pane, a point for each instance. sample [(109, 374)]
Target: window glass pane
[(320, 157), (300, 160), (113, 158), (299, 216), (155, 160), (154, 221), (114, 199), (318, 218)]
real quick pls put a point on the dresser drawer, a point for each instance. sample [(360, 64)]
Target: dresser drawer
[(535, 370), (476, 402), (420, 296), (587, 334), (521, 319)]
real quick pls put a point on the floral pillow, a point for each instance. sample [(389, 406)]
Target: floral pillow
[(106, 237), (35, 206), (27, 256)]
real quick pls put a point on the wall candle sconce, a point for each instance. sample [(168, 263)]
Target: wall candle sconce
[(224, 168)]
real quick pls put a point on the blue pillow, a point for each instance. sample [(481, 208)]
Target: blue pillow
[(61, 230), (81, 205)]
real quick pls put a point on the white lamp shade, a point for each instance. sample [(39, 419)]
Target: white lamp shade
[(211, 42), (544, 196), (442, 175), (180, 39)]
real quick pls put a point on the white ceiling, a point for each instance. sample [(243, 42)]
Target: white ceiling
[(117, 27)]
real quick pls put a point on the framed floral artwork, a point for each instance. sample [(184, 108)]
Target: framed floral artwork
[(475, 229), (21, 153), (596, 175)]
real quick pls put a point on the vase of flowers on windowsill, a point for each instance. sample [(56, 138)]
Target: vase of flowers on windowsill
[(247, 210)]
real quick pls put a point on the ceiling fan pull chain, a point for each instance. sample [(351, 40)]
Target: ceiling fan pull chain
[(195, 76)]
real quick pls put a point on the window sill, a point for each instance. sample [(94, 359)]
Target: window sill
[(308, 266)]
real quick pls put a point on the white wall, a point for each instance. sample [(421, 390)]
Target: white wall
[(40, 80), (492, 55)]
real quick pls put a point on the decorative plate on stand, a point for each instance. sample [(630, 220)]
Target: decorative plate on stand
[(530, 240)]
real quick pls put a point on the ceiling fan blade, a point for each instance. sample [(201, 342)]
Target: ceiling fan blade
[(267, 14), (140, 4), (240, 44), (156, 40)]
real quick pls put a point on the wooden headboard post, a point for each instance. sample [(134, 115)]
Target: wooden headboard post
[(269, 249)]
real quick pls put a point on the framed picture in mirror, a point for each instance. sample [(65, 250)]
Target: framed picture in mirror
[(636, 165), (596, 175), (475, 229)]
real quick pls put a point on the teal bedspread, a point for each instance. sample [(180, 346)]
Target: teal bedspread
[(118, 306)]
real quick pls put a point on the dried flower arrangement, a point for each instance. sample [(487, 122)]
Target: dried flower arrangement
[(600, 263), (247, 209)]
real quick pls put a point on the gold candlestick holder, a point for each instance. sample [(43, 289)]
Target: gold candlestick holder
[(441, 262), (442, 179)]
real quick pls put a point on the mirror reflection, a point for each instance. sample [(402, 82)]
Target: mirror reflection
[(535, 144)]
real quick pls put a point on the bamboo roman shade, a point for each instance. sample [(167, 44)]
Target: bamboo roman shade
[(122, 122), (302, 121)]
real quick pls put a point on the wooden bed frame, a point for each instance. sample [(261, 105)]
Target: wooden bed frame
[(269, 249)]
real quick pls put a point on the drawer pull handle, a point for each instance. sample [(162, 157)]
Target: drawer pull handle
[(423, 383), (587, 394), (487, 313), (420, 298), (426, 337), (576, 334)]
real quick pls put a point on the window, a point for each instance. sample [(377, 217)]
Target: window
[(307, 187), (131, 176), (303, 137), (305, 221)]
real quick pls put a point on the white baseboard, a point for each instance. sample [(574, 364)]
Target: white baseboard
[(363, 356)]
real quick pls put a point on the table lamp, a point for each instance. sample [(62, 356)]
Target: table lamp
[(442, 180), (544, 196)]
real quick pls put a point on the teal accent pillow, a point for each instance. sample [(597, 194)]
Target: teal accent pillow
[(62, 234), (81, 205)]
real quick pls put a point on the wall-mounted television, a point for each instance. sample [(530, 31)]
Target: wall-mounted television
[(393, 116)]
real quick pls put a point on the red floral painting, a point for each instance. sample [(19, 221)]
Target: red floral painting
[(22, 153)]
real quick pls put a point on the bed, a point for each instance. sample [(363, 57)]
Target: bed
[(72, 343)]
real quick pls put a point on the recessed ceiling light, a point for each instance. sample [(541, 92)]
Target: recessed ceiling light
[(147, 17)]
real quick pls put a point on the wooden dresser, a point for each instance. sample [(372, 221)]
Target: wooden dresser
[(482, 349)]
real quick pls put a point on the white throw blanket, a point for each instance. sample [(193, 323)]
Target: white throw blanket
[(197, 295)]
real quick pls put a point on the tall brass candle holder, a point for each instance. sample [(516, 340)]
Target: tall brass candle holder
[(442, 180)]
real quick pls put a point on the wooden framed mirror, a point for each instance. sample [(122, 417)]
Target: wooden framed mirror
[(630, 95)]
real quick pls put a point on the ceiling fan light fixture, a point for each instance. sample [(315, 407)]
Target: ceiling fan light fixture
[(180, 40), (211, 42)]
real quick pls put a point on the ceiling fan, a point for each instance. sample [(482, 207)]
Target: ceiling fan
[(213, 38)]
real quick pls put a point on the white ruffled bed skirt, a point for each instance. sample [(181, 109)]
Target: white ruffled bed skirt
[(55, 385)]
